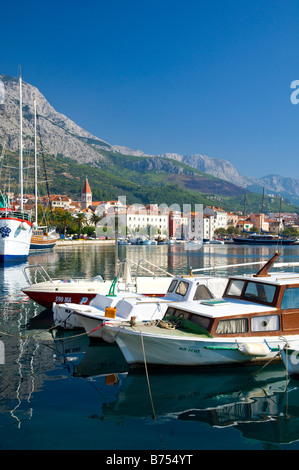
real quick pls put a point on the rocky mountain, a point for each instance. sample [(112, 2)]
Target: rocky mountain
[(213, 166), (58, 133), (61, 136), (288, 188)]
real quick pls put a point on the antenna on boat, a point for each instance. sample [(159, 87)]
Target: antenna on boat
[(263, 272)]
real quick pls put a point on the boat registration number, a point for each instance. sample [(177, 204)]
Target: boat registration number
[(193, 350), (60, 299)]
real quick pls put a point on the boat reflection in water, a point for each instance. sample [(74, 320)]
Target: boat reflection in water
[(88, 359), (261, 403), (263, 408)]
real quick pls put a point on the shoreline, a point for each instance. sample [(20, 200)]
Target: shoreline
[(83, 242)]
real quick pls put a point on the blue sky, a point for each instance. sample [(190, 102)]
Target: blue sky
[(208, 77)]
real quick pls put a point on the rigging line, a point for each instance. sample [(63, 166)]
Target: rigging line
[(44, 164), (266, 364), (147, 376)]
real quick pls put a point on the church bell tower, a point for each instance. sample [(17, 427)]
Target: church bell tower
[(86, 196)]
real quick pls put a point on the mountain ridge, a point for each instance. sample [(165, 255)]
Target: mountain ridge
[(61, 136)]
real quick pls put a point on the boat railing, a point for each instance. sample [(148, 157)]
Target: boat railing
[(153, 272), (26, 215), (38, 272), (275, 265), (212, 268)]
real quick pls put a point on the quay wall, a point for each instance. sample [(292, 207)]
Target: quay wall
[(83, 242)]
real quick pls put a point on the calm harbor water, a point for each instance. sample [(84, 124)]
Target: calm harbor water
[(59, 391)]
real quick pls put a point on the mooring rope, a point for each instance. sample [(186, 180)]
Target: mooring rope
[(149, 388)]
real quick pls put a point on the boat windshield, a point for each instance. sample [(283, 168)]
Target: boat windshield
[(251, 290), (182, 288), (172, 285), (290, 298)]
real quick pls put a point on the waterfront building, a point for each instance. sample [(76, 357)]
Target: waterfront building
[(259, 221), (143, 220), (177, 224), (220, 216)]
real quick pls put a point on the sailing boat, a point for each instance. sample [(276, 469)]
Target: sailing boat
[(42, 238), (15, 223), (263, 238)]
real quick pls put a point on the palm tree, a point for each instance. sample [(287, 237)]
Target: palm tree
[(63, 219), (95, 219), (81, 218)]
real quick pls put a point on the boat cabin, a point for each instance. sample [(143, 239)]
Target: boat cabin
[(252, 305), (195, 288)]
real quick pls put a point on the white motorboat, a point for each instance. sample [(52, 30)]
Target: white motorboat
[(46, 291), (133, 307), (252, 321)]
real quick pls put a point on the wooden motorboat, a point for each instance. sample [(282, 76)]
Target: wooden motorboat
[(257, 314)]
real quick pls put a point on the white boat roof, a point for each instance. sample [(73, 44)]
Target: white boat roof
[(278, 278), (222, 307)]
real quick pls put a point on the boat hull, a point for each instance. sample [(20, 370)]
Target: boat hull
[(15, 237), (290, 357), (83, 291), (91, 317), (65, 291), (258, 241), (175, 350), (43, 241)]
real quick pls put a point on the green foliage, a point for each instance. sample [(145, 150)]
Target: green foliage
[(141, 180), (291, 232)]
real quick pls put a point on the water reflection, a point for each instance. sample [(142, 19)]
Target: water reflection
[(261, 403), (262, 407)]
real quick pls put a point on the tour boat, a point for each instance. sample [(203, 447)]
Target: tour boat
[(257, 314), (15, 234), (133, 307), (264, 239), (15, 223)]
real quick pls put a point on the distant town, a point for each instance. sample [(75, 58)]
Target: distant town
[(88, 218)]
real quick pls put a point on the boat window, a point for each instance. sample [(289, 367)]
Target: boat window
[(265, 323), (259, 292), (236, 325), (204, 322), (235, 287), (170, 311), (202, 293), (182, 288), (181, 314), (290, 298), (172, 285)]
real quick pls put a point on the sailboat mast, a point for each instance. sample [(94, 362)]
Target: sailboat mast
[(21, 144), (35, 161), (263, 200)]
